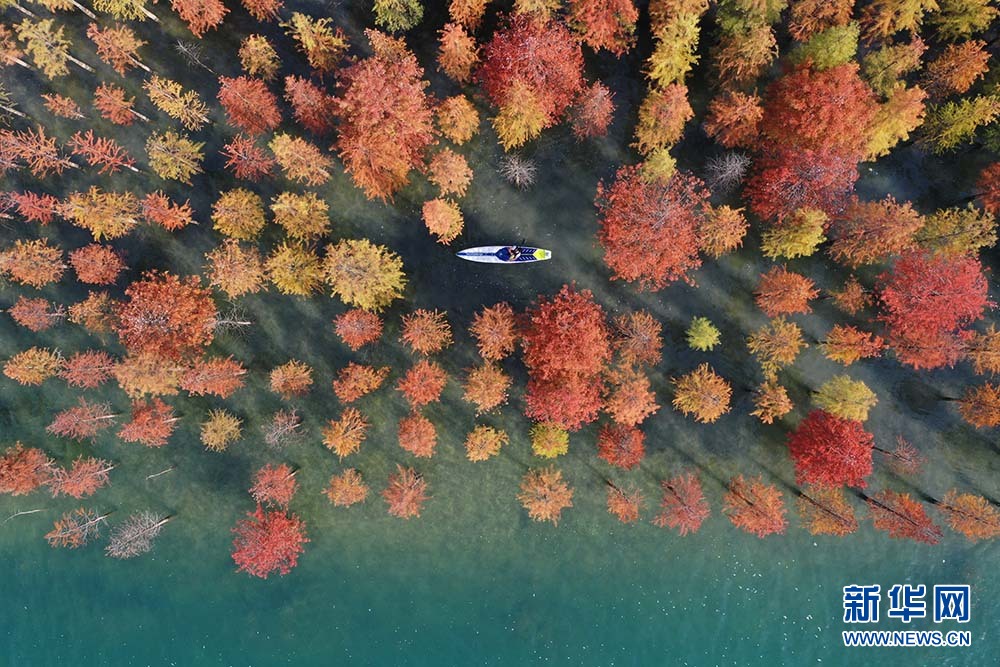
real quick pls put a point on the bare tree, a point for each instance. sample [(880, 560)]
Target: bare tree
[(193, 53), (724, 173), (135, 535), (235, 321), (519, 171), (283, 429)]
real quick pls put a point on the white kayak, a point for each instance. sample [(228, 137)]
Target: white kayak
[(504, 254)]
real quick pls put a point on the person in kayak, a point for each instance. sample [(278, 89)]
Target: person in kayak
[(509, 253)]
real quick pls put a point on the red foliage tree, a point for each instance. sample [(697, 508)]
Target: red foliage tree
[(622, 446), (357, 327), (40, 208), (213, 375), (423, 383), (112, 103), (249, 105), (814, 109), (83, 421), (312, 107), (902, 517), (787, 179), (158, 209), (926, 300), (417, 435), (755, 507), (592, 111), (813, 133), (96, 264), (406, 493), (83, 478), (604, 24), (683, 506), (386, 121), (266, 542), (88, 369), (246, 159), (24, 469), (649, 228), (536, 55), (152, 423), (988, 185), (166, 316), (274, 485), (200, 15), (831, 451), (36, 314), (566, 346), (782, 292), (101, 152)]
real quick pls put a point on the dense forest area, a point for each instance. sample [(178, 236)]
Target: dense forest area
[(163, 195)]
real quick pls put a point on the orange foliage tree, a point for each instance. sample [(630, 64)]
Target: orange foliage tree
[(825, 511), (291, 379), (631, 398), (486, 387), (312, 107), (484, 442), (604, 24), (782, 292), (347, 489), (683, 506), (423, 383), (34, 263), (274, 485), (83, 478), (96, 264), (386, 121), (88, 369), (624, 503), (426, 331), (406, 493), (638, 338), (417, 435), (357, 328), (200, 15), (733, 117), (248, 104), (24, 469), (356, 380), (703, 394), (755, 507), (36, 314), (457, 52), (216, 376), (344, 436), (495, 331), (152, 423), (902, 517), (972, 516), (33, 366), (545, 494), (166, 315), (83, 421), (621, 446)]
